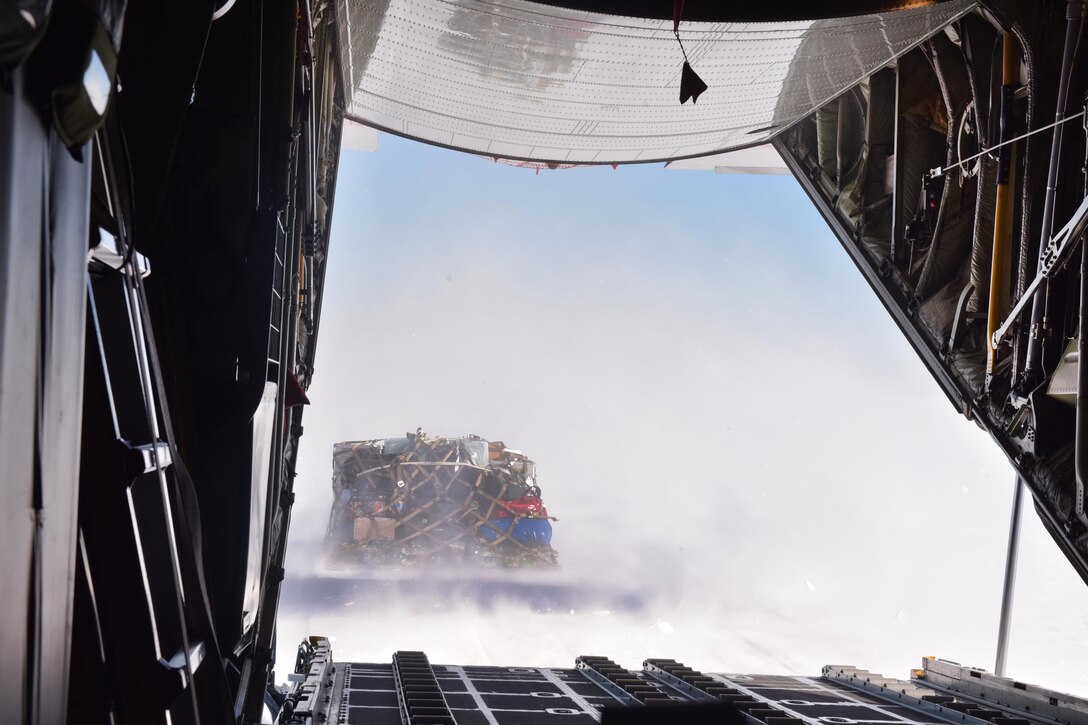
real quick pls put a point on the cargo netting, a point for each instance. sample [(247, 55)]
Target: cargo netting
[(425, 500)]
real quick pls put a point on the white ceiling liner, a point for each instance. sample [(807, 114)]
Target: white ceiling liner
[(520, 80)]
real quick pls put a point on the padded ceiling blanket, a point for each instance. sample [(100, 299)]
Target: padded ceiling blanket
[(521, 80)]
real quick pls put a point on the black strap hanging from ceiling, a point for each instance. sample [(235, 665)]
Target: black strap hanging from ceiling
[(691, 85)]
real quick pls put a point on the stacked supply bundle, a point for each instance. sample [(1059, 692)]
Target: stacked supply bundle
[(422, 499)]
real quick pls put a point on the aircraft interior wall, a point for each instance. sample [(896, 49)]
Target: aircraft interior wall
[(914, 200)]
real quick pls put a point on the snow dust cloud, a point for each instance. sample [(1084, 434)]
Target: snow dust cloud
[(751, 468)]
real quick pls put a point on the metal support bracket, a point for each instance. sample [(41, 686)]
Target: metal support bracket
[(176, 664), (900, 693), (309, 698), (155, 456), (1027, 701), (107, 252), (1056, 252)]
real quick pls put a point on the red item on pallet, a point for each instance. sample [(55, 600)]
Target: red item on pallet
[(529, 506)]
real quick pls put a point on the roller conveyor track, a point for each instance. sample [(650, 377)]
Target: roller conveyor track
[(420, 697), (411, 691), (702, 687), (633, 688)]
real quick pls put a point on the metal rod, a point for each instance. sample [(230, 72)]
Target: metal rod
[(1074, 15), (897, 167), (1003, 217), (941, 170), (1081, 430), (1010, 580), (1081, 444), (131, 274)]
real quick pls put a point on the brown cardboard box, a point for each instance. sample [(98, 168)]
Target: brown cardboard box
[(378, 528)]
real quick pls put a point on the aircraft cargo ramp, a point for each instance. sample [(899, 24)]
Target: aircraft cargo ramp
[(411, 690)]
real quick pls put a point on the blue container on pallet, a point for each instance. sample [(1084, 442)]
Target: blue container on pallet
[(531, 532)]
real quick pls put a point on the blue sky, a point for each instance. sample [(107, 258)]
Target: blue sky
[(723, 416), (694, 222)]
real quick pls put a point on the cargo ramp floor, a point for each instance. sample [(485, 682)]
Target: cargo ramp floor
[(409, 690)]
